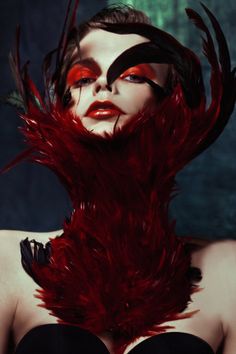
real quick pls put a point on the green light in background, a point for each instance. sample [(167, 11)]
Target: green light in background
[(170, 16), (163, 14)]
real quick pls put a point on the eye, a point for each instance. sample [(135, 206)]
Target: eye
[(80, 76), (138, 74), (84, 81), (134, 78)]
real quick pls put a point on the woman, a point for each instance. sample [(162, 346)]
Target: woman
[(123, 112)]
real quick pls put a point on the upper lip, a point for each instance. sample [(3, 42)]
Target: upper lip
[(103, 105)]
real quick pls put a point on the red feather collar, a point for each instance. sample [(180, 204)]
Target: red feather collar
[(118, 267)]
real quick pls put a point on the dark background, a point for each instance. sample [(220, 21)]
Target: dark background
[(31, 196)]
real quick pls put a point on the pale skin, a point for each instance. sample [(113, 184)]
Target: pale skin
[(128, 93), (216, 319)]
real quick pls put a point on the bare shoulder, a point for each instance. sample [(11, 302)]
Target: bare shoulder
[(10, 257), (217, 261), (9, 250), (13, 279), (214, 256)]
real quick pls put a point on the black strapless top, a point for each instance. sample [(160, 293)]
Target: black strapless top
[(66, 339)]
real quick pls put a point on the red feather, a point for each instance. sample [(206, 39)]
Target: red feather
[(118, 266), (119, 247)]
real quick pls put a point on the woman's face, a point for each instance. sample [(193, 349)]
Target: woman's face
[(98, 106)]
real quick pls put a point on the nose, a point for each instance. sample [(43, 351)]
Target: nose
[(101, 85)]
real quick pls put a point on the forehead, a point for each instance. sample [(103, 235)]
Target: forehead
[(102, 44)]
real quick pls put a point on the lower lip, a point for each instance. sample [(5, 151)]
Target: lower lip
[(104, 113)]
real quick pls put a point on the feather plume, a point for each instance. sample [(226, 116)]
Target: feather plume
[(15, 65), (14, 99), (119, 239), (118, 263), (185, 62)]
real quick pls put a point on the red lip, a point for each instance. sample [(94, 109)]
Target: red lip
[(103, 110)]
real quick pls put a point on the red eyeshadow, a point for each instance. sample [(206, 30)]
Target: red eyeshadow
[(78, 72), (143, 70)]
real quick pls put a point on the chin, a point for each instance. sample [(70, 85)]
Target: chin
[(104, 126), (101, 131)]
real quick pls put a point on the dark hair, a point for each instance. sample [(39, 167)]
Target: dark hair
[(116, 13)]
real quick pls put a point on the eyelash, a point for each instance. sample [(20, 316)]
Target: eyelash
[(85, 81), (134, 78)]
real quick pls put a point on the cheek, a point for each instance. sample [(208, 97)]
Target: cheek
[(82, 98), (136, 96), (130, 97)]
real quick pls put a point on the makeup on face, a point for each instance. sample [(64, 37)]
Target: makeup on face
[(140, 71), (88, 71), (100, 107), (103, 110)]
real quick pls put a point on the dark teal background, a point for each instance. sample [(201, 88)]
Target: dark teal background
[(31, 197)]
